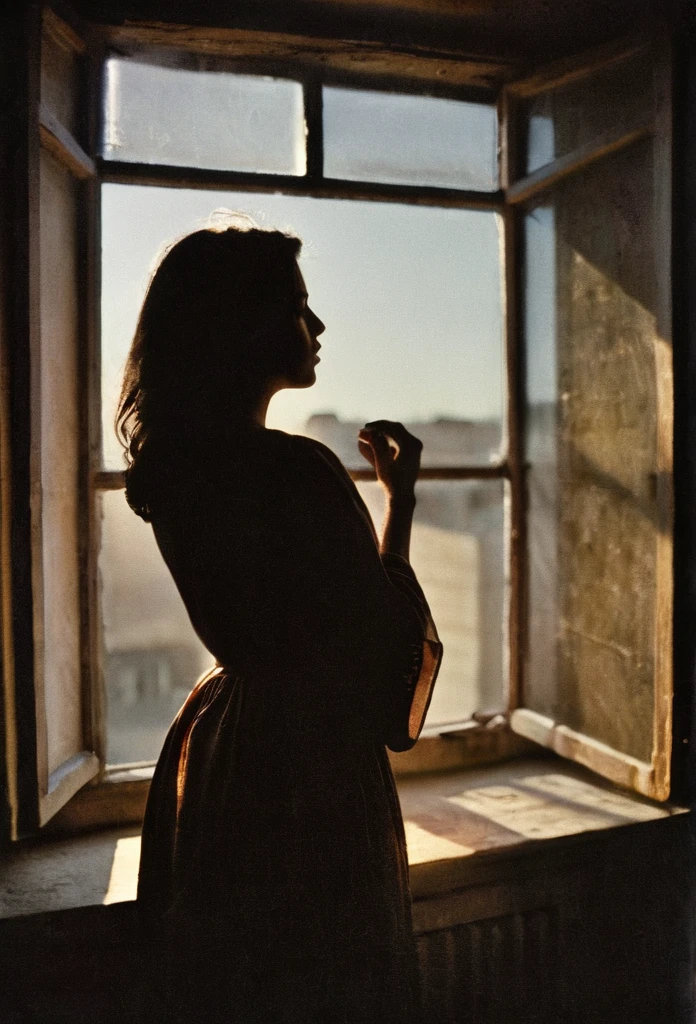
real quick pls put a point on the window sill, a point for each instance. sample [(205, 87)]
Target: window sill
[(463, 828), (119, 797)]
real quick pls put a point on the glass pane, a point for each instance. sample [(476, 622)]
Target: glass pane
[(203, 119), (59, 656), (615, 100), (422, 343), (590, 336), (457, 551), (410, 140), (152, 657)]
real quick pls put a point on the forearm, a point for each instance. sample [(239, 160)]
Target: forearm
[(396, 532)]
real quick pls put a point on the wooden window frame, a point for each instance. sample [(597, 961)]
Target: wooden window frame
[(477, 741), (36, 789)]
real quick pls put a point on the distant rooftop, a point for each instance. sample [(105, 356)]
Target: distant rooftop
[(446, 441)]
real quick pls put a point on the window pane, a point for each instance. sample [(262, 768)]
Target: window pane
[(202, 119), (422, 343), (457, 551), (591, 338), (409, 140), (615, 100), (152, 657)]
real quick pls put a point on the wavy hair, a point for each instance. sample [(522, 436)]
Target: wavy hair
[(211, 304)]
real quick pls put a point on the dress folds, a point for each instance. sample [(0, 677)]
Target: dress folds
[(274, 876)]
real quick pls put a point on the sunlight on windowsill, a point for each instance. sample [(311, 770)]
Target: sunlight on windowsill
[(124, 870), (466, 813)]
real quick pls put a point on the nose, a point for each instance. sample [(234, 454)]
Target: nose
[(317, 326)]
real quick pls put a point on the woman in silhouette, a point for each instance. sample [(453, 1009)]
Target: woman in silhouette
[(273, 871)]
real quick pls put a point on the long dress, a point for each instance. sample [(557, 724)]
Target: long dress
[(273, 867)]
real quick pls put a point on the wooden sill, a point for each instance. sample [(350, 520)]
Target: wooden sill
[(119, 798), (460, 826)]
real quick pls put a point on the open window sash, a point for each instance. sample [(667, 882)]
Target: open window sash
[(51, 716), (587, 171)]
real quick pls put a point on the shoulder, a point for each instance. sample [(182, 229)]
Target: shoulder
[(316, 451), (331, 474), (325, 467)]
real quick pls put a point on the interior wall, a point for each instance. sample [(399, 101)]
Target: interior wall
[(585, 931), (12, 68)]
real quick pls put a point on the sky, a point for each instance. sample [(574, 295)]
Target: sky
[(410, 295)]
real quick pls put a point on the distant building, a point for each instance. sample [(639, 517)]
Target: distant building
[(446, 442)]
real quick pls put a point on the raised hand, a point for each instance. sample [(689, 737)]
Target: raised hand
[(394, 453)]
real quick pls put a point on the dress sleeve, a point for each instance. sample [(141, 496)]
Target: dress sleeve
[(410, 693)]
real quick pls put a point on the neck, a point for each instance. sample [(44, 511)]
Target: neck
[(251, 407)]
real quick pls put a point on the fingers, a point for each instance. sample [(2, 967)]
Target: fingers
[(378, 434), (366, 451), (386, 426), (394, 453), (378, 442), (396, 431)]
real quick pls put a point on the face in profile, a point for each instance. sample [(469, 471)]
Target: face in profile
[(301, 348)]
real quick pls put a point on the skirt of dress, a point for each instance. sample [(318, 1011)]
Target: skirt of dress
[(274, 879)]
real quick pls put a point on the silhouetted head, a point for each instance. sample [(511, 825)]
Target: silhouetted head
[(224, 322)]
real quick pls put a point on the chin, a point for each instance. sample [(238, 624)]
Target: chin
[(303, 380)]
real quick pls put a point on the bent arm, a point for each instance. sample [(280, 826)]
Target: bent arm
[(398, 520), (395, 455)]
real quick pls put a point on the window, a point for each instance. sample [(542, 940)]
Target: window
[(521, 327), (589, 180), (436, 313)]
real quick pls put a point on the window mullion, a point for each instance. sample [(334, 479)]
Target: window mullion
[(516, 543), (170, 176), (115, 480), (494, 472), (109, 480), (314, 122)]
